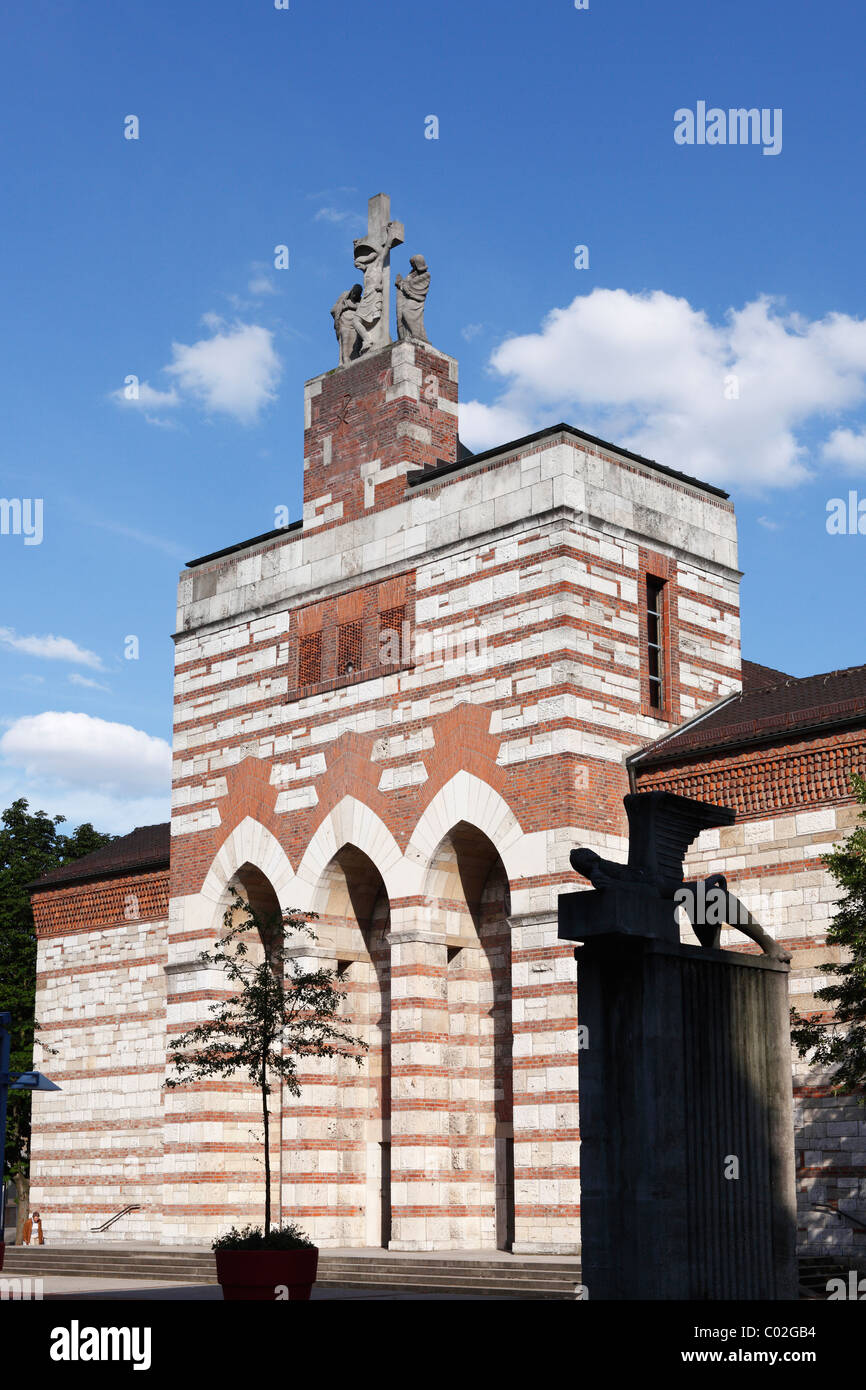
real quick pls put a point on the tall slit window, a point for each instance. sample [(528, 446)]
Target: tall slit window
[(655, 640)]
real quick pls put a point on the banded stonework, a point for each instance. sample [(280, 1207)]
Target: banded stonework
[(401, 714)]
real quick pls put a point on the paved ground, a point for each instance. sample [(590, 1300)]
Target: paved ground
[(66, 1288)]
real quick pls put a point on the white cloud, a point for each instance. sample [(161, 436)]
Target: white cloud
[(234, 372), (768, 523), (51, 648), (847, 448), (339, 216), (471, 330), (260, 285), (725, 402), (72, 749), (87, 770), (147, 398), (76, 679)]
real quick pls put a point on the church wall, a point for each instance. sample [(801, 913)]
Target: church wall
[(98, 1142), (521, 584)]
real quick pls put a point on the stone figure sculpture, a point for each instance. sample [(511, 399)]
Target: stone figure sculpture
[(345, 315), (373, 257), (411, 294), (661, 828), (362, 315)]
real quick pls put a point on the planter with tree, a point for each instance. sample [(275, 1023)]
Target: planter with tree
[(278, 1015)]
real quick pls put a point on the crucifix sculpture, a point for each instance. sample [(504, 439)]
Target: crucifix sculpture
[(362, 315), (373, 257)]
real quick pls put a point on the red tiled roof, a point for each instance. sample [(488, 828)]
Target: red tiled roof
[(756, 676), (767, 709), (147, 847)]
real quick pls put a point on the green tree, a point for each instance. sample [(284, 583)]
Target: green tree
[(30, 846), (840, 1042), (279, 1014)]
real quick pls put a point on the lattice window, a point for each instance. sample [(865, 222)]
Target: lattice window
[(310, 659), (391, 635), (655, 641), (349, 649)]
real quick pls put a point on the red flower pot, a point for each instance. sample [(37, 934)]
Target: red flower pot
[(265, 1275)]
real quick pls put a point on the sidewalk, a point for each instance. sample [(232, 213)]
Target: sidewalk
[(65, 1288)]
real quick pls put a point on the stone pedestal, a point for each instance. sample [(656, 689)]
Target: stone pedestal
[(370, 423), (687, 1162)]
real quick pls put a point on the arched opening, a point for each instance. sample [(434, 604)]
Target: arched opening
[(469, 894), (354, 920), (257, 893)]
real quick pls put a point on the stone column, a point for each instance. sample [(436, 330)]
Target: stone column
[(545, 1072), (314, 1190), (419, 1084)]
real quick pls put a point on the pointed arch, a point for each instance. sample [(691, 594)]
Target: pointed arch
[(249, 843), (466, 798), (350, 822)]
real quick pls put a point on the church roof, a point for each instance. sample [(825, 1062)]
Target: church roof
[(755, 675), (771, 705), (146, 847)]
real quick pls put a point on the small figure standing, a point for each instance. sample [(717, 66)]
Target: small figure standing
[(411, 294), (345, 316), (27, 1233)]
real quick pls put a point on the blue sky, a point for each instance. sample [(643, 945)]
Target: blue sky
[(261, 127)]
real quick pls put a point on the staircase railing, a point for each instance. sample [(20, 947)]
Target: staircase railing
[(837, 1211), (133, 1206)]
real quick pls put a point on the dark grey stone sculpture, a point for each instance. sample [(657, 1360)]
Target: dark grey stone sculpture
[(662, 826), (686, 1111)]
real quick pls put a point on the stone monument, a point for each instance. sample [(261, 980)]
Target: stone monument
[(685, 1094), (362, 314), (411, 294)]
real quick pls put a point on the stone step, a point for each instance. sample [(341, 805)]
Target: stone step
[(420, 1273), (170, 1259)]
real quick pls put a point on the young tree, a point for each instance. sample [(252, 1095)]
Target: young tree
[(840, 1043), (30, 846), (279, 1014)]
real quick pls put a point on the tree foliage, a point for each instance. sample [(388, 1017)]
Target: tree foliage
[(840, 1042), (279, 1014)]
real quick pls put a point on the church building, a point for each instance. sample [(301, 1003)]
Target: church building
[(401, 713)]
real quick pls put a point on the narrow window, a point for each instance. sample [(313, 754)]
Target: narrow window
[(310, 659), (349, 649), (655, 648)]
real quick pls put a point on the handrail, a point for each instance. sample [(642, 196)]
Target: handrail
[(133, 1206), (836, 1211)]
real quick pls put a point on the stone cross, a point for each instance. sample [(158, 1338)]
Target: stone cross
[(373, 256)]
